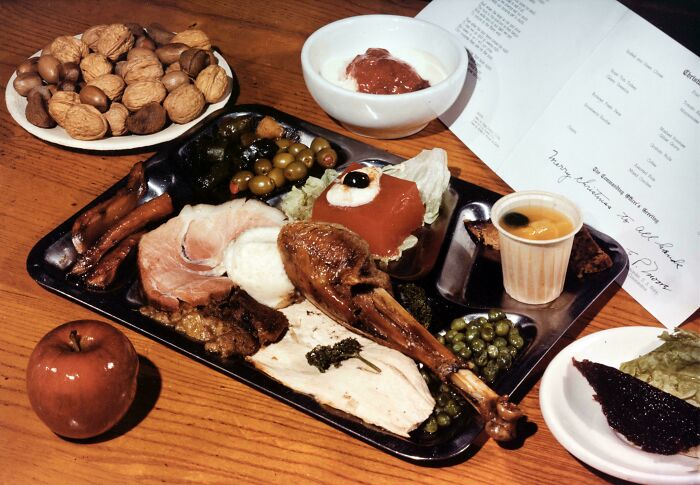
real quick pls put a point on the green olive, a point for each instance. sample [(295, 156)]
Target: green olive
[(318, 144), (277, 176), (281, 160), (283, 144), (239, 181), (261, 185), (295, 148), (327, 158), (295, 171), (306, 156), (262, 166)]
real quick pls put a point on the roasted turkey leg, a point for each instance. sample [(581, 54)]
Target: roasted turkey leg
[(331, 266)]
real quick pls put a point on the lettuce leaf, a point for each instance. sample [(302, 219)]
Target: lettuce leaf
[(674, 367), (429, 171), (298, 203)]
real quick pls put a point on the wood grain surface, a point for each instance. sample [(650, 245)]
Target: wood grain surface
[(191, 424)]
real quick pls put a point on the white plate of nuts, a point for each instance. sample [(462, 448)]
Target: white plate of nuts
[(119, 87)]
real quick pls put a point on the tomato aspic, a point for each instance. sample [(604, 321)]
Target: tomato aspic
[(384, 222)]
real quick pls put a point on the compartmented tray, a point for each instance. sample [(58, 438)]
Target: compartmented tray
[(446, 263)]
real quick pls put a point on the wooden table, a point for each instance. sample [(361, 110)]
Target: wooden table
[(190, 423)]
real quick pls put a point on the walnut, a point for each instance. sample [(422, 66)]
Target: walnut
[(92, 35), (116, 117), (60, 103), (184, 104), (193, 38), (110, 84), (69, 49), (115, 40), (213, 83), (95, 65), (142, 69), (84, 122), (139, 94)]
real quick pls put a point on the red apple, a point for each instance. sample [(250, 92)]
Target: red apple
[(81, 378)]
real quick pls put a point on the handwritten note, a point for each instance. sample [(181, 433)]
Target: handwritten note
[(615, 127)]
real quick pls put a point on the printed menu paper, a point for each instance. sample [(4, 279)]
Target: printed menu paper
[(589, 100)]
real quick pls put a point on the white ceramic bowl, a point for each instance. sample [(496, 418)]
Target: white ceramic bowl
[(383, 115)]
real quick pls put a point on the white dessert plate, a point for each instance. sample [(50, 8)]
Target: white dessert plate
[(578, 423), (16, 105)]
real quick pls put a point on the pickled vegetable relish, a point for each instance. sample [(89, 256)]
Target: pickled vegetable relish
[(385, 222)]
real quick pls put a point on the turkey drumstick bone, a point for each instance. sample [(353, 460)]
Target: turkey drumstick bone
[(332, 267)]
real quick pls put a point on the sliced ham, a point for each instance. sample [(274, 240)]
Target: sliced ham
[(182, 260)]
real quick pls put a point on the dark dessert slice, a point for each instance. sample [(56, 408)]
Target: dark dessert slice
[(587, 256), (483, 232), (654, 420)]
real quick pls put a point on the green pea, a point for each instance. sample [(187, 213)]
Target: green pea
[(452, 409), (492, 351), (431, 425), (487, 334), (458, 324), (512, 351), (495, 315), (480, 321), (442, 399), (504, 360), (444, 388), (465, 353), (443, 420), (516, 341), (471, 334), (502, 328), (441, 339), (457, 346), (450, 335), (489, 374), (481, 359), (500, 342), (477, 345), (459, 337)]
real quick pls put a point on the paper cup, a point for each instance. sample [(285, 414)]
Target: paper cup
[(534, 271)]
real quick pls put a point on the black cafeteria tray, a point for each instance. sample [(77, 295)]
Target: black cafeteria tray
[(448, 264)]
